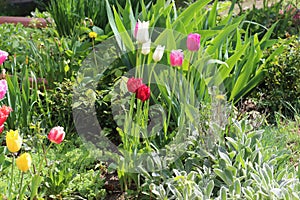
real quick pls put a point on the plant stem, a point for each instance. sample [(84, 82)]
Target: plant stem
[(170, 104), (21, 184), (45, 153), (189, 67), (12, 176), (94, 53)]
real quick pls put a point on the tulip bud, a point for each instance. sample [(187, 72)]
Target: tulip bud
[(24, 162), (176, 57), (143, 93), (56, 135), (133, 84), (3, 88), (158, 53), (146, 47), (193, 42), (3, 56), (141, 33), (13, 141)]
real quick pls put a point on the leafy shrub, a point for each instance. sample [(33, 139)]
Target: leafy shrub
[(280, 90), (263, 18)]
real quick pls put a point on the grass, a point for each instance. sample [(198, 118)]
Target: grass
[(285, 135)]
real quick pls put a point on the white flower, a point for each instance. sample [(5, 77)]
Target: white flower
[(158, 53), (146, 47), (141, 32)]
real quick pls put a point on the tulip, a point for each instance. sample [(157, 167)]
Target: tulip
[(3, 56), (176, 57), (193, 41), (4, 113), (143, 93), (24, 162), (56, 135), (92, 35), (141, 33), (133, 84), (3, 88), (146, 47), (13, 141), (158, 53)]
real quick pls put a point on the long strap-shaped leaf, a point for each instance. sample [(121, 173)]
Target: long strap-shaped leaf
[(187, 15)]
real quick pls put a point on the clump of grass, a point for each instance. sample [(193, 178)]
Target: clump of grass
[(284, 135)]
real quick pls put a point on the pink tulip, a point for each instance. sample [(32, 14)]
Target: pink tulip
[(56, 135), (176, 57), (133, 84), (193, 41), (3, 88), (3, 56)]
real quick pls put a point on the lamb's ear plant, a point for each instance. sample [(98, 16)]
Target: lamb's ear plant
[(238, 169)]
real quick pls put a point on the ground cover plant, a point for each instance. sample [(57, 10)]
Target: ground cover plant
[(149, 107)]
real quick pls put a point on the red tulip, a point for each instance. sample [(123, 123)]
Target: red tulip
[(4, 113), (193, 41), (133, 84), (56, 135), (143, 93)]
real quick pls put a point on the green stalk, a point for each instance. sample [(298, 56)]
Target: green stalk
[(21, 184), (11, 177), (170, 104)]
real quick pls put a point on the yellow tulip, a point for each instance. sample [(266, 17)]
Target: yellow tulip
[(24, 162), (92, 34), (13, 141)]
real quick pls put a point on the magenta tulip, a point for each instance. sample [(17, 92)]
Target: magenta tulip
[(3, 56), (176, 57), (3, 88), (193, 41)]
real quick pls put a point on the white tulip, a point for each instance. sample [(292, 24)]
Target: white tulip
[(146, 47), (158, 53), (141, 32)]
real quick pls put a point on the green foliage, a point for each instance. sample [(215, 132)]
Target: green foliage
[(69, 14), (282, 12), (280, 90), (237, 169), (38, 61), (225, 43)]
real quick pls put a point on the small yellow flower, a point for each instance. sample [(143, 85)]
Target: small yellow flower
[(220, 97), (13, 141), (24, 162), (92, 34)]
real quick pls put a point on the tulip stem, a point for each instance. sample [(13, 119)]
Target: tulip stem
[(189, 68), (45, 152), (170, 104), (21, 184), (12, 176)]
